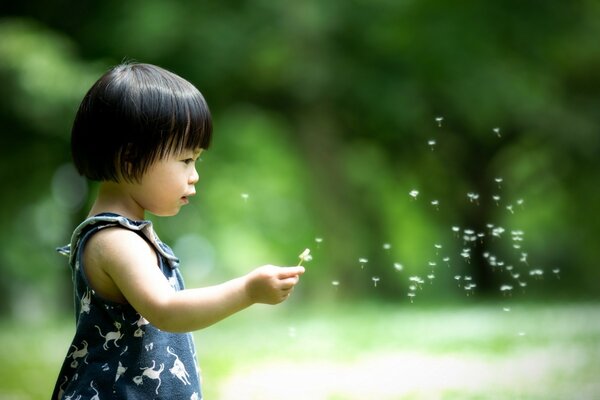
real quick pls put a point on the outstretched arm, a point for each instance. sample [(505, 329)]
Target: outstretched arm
[(120, 265)]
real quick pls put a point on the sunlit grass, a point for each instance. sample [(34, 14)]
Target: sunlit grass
[(362, 351)]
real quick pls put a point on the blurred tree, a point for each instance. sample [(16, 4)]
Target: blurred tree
[(323, 113)]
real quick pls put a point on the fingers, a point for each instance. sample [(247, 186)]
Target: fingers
[(288, 272)]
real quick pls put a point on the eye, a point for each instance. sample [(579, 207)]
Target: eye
[(188, 161)]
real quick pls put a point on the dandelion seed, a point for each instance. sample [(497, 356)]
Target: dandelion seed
[(497, 131), (414, 193), (387, 246), (375, 279), (496, 198), (498, 231), (319, 240), (456, 230), (411, 295), (362, 262), (398, 267), (335, 283), (499, 182), (446, 260), (556, 272), (523, 258), (431, 277), (506, 289), (521, 334), (510, 208), (436, 204), (470, 288), (473, 197), (304, 256), (431, 143), (245, 196), (506, 309), (439, 121), (292, 332), (520, 202), (537, 273), (432, 263)]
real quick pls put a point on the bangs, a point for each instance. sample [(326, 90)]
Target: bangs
[(174, 117)]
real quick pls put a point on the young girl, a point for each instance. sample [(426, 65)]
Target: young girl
[(139, 131)]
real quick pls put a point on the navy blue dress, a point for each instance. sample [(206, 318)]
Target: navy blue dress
[(116, 353)]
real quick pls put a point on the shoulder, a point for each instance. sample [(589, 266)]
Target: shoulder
[(116, 245)]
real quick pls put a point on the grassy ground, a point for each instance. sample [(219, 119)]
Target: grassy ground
[(362, 351)]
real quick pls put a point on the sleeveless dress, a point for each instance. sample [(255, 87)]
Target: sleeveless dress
[(116, 353)]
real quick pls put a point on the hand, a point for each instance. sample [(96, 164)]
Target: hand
[(270, 284)]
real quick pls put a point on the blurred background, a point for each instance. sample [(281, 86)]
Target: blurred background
[(430, 154)]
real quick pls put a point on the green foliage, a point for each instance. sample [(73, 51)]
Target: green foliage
[(323, 112)]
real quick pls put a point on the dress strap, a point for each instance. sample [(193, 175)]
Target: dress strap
[(106, 220)]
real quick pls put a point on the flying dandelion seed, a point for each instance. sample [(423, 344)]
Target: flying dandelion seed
[(473, 197), (439, 121), (499, 182), (537, 273), (431, 143), (506, 309), (506, 289), (414, 194), (431, 277), (375, 279), (457, 278), (335, 283), (520, 202), (432, 263), (496, 198), (387, 246), (245, 196), (523, 258), (398, 267), (556, 272), (510, 208), (497, 131), (362, 262), (446, 260), (411, 296)]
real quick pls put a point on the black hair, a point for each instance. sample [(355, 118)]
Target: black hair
[(133, 116)]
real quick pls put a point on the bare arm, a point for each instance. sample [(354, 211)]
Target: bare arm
[(121, 265)]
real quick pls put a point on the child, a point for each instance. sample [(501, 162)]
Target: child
[(139, 131)]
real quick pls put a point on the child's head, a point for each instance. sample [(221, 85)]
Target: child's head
[(134, 115)]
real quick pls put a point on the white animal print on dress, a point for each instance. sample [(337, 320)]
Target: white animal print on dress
[(79, 353), (61, 388), (96, 396), (151, 374), (86, 300), (140, 322), (179, 369), (114, 336), (120, 371)]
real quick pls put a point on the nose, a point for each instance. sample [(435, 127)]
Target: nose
[(194, 177)]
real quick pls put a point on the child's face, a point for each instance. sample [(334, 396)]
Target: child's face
[(168, 183)]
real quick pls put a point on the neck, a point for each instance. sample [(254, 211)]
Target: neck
[(115, 198)]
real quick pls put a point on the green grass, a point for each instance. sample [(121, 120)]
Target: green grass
[(362, 351)]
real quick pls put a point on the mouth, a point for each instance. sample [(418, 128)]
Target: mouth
[(185, 199)]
